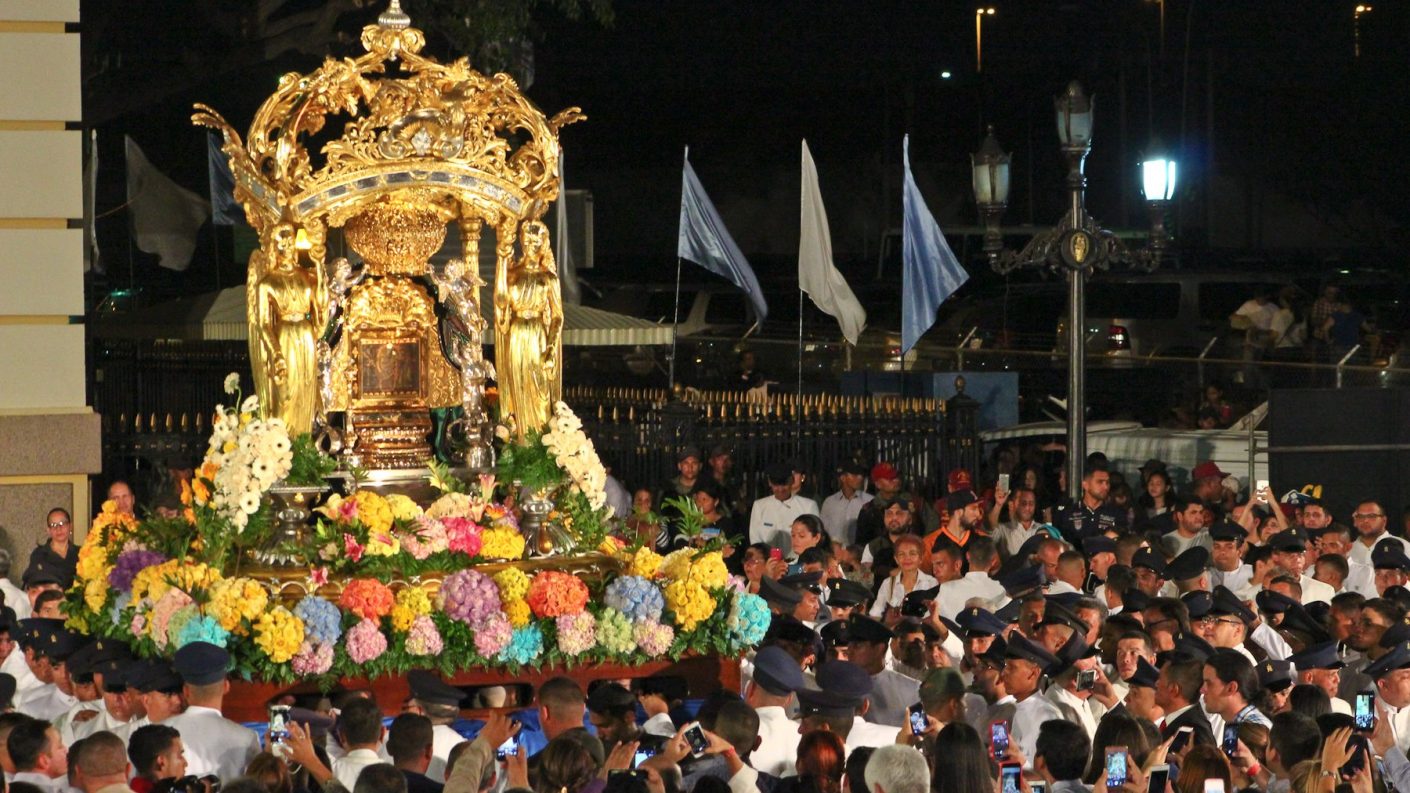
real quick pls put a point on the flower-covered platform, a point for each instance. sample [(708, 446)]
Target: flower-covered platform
[(383, 584)]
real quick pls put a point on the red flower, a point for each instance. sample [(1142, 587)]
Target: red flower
[(553, 594), (368, 598), (351, 547)]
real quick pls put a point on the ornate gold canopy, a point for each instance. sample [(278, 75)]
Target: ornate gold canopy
[(424, 145)]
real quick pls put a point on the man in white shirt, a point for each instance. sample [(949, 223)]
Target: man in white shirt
[(839, 510), (361, 732), (440, 702), (15, 598), (1390, 564), (1025, 663), (1226, 557), (214, 744), (1320, 665), (39, 756), (1188, 515), (771, 518), (844, 693), (1392, 675), (770, 691), (1369, 520), (1009, 537), (1289, 553), (977, 583)]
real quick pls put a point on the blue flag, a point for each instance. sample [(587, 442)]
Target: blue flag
[(225, 210), (703, 239), (932, 273)]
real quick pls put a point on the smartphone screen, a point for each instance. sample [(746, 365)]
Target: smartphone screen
[(1086, 679), (999, 738), (775, 554), (1115, 767), (507, 748), (1365, 714), (1182, 739), (1038, 786), (278, 723), (1004, 482), (642, 753), (710, 532), (1091, 583), (1259, 488), (1214, 786), (917, 717), (1230, 744), (1155, 783), (695, 736), (1011, 782)]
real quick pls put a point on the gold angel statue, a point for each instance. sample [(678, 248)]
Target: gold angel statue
[(529, 334), (285, 304)]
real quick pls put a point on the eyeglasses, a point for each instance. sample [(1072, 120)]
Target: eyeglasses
[(58, 524), (1367, 515), (1228, 621)]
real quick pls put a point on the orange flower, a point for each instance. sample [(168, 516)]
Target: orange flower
[(367, 598), (553, 594)]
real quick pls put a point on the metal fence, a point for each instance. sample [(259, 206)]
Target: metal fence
[(639, 432)]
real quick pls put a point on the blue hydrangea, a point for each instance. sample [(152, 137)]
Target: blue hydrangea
[(115, 611), (322, 620), (525, 645), (202, 629), (749, 619), (635, 597)]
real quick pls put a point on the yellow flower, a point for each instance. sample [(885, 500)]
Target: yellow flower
[(412, 602), (402, 507), (610, 546), (709, 571), (154, 581), (676, 565), (512, 583), (93, 562), (280, 634), (95, 592), (645, 562), (502, 543), (235, 602), (373, 512), (518, 613), (382, 545), (690, 602)]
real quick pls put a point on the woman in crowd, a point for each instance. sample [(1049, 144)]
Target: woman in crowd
[(807, 532), (821, 762), (1155, 500), (906, 578), (966, 767), (1202, 763), (1118, 728)]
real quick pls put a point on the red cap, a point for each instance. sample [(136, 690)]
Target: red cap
[(884, 471), (960, 480), (1207, 470)]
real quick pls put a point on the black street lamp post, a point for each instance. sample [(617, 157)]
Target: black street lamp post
[(1076, 244)]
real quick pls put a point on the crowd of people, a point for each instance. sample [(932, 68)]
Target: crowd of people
[(996, 640)]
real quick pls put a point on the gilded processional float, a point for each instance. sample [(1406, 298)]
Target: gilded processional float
[(499, 554)]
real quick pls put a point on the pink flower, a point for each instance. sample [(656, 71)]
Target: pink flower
[(351, 547), (347, 510), (313, 659), (492, 634), (423, 638), (463, 535), (365, 642), (318, 576)]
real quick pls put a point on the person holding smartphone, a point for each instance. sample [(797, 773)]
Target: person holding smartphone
[(1060, 756), (1229, 682)]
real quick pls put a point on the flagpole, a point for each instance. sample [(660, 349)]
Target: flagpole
[(675, 327), (800, 342)]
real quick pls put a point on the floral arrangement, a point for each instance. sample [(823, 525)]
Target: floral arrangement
[(412, 588)]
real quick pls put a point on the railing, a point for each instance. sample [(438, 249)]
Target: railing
[(639, 432)]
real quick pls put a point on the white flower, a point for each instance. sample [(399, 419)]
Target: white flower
[(501, 432), (249, 503), (232, 383), (250, 405)]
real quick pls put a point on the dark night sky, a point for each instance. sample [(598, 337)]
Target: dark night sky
[(741, 83)]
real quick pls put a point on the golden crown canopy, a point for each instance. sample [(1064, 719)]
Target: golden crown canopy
[(442, 138)]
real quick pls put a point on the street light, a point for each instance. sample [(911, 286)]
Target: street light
[(1356, 25), (979, 14), (1075, 245)]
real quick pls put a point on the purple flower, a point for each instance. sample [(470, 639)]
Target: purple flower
[(129, 564), (469, 596)]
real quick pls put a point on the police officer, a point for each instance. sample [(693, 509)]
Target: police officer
[(776, 678), (214, 744), (892, 692), (846, 597), (440, 702), (1091, 514), (845, 693)]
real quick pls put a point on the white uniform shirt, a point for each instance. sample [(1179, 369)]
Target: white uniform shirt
[(891, 693), (778, 742), (214, 744), (1314, 591), (955, 594), (25, 681), (443, 739), (864, 733), (16, 599), (69, 730), (839, 515), (1010, 537), (1361, 552), (1361, 578), (1028, 716), (771, 520), (45, 702), (1089, 711), (349, 766), (1237, 580)]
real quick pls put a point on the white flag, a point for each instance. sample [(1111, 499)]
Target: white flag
[(165, 215), (91, 259), (817, 275), (567, 268)]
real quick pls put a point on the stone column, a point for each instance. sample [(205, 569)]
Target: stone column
[(49, 437)]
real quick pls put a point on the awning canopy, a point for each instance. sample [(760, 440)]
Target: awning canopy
[(220, 316)]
